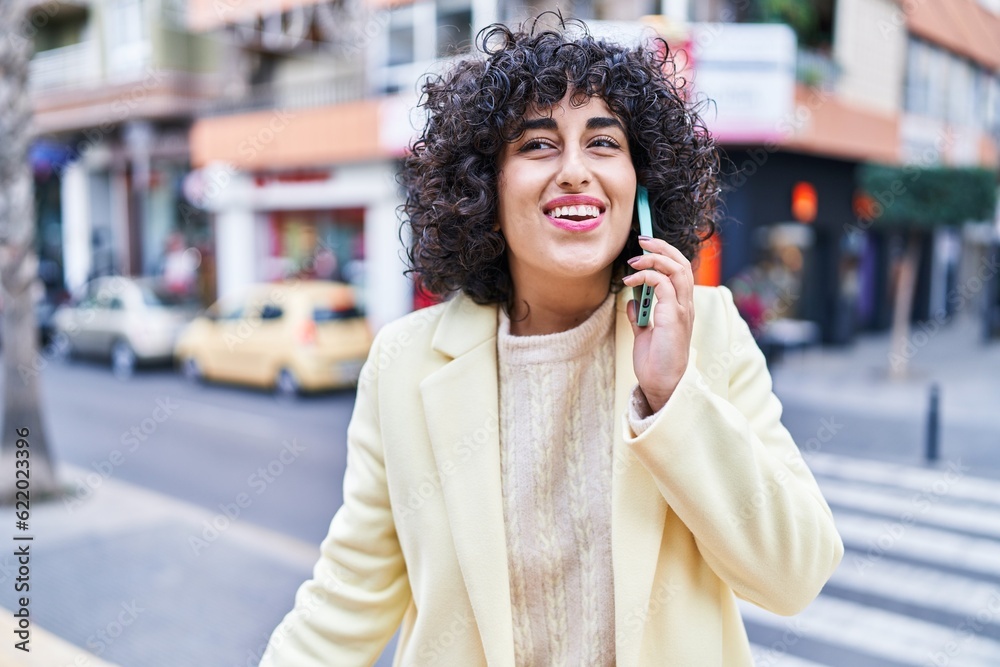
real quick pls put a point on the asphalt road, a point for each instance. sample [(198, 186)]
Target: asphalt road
[(204, 444), (208, 444)]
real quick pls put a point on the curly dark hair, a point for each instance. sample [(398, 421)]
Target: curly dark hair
[(450, 174)]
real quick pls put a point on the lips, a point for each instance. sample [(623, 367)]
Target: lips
[(575, 212)]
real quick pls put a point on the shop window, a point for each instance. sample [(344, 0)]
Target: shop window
[(770, 290), (316, 245)]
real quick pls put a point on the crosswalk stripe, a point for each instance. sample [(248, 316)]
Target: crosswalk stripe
[(894, 637), (920, 581), (953, 475), (925, 508), (920, 585), (768, 657), (873, 539)]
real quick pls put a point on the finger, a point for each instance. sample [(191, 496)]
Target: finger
[(681, 276), (663, 287), (664, 248), (630, 313), (658, 262), (684, 282)]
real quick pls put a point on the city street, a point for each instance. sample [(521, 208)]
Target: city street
[(209, 515), (203, 444)]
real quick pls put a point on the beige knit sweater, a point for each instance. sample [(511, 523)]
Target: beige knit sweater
[(556, 421)]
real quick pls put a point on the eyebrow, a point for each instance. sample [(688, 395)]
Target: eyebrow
[(595, 123)]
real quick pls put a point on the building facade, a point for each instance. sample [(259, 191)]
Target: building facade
[(875, 81), (114, 85), (269, 134)]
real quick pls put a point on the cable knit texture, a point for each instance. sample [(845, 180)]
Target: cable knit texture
[(556, 421)]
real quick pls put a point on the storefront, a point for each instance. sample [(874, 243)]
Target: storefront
[(786, 253), (338, 224)]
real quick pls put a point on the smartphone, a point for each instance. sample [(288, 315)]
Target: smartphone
[(643, 294)]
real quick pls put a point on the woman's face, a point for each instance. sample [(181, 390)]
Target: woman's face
[(567, 189)]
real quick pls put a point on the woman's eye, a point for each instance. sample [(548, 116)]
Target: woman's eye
[(534, 144), (605, 142)]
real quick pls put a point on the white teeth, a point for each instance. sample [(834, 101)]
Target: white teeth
[(575, 211)]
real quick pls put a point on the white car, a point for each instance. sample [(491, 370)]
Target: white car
[(127, 320)]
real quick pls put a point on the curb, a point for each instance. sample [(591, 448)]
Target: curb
[(46, 649)]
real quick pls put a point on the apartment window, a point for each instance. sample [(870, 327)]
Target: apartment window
[(454, 27), (401, 40), (960, 91), (66, 27), (979, 107), (918, 68), (944, 86), (128, 42), (417, 35), (948, 87), (993, 106)]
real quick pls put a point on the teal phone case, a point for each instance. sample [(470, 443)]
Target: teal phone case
[(643, 294)]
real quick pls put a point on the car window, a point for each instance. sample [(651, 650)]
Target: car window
[(327, 314), (270, 311), (102, 300), (149, 296), (155, 295), (228, 312)]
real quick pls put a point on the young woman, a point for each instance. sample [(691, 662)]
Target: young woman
[(532, 478)]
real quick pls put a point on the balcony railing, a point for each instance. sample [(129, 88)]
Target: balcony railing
[(48, 6), (290, 96), (66, 66), (816, 69)]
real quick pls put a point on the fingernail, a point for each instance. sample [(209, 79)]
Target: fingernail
[(645, 238), (632, 261)]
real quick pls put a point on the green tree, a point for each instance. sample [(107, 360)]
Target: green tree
[(18, 263), (910, 201)]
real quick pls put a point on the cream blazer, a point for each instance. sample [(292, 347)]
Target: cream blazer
[(712, 502)]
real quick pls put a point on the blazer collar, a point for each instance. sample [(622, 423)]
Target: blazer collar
[(461, 405), (464, 324)]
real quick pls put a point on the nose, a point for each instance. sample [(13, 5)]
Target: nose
[(573, 169)]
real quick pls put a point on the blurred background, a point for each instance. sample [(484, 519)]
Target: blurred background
[(213, 239)]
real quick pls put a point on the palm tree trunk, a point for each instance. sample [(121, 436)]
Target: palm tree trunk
[(22, 416), (901, 348)]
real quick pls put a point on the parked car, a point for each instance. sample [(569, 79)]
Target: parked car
[(127, 320), (293, 337)]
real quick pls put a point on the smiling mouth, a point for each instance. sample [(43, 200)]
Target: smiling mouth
[(581, 213)]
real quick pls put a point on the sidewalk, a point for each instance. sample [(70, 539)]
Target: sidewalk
[(122, 579), (880, 418), (46, 649)]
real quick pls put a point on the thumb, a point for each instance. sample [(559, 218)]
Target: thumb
[(630, 312)]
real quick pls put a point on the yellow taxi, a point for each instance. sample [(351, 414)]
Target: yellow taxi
[(293, 337)]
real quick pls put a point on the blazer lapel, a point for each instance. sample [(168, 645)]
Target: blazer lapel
[(638, 510), (462, 412)]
